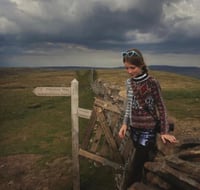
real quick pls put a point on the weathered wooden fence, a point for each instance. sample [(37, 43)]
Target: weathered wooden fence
[(102, 144), (110, 151)]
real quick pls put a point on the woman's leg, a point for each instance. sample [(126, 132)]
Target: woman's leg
[(140, 157), (136, 171), (144, 143)]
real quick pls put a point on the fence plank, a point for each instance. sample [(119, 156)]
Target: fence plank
[(128, 149), (96, 139), (84, 113), (100, 159), (89, 130), (108, 134), (75, 134), (106, 105)]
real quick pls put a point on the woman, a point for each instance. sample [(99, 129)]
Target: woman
[(144, 106)]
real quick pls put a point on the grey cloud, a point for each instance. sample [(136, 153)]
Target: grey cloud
[(93, 24), (98, 25)]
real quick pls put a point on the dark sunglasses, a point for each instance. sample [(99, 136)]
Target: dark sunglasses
[(130, 53)]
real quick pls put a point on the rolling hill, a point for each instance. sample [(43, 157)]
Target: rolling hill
[(188, 71)]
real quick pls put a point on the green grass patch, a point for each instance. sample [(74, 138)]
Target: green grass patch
[(183, 103), (182, 94), (40, 130)]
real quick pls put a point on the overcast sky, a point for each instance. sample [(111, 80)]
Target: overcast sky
[(95, 32)]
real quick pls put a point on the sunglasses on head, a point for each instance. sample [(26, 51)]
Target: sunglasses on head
[(130, 53)]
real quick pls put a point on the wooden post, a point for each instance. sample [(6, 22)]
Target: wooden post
[(75, 134)]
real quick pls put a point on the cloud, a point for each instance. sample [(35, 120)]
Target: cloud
[(182, 21), (91, 22), (46, 27)]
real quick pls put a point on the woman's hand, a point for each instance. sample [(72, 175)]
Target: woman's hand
[(122, 131), (169, 138)]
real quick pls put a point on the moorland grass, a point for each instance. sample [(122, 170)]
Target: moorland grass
[(42, 125)]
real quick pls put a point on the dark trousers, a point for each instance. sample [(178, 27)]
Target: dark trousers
[(143, 153)]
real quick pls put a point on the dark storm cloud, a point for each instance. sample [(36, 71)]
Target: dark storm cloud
[(160, 25), (98, 28), (105, 26)]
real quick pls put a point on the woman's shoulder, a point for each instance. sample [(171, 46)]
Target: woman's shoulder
[(153, 81)]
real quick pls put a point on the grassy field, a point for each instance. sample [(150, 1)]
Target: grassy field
[(31, 125)]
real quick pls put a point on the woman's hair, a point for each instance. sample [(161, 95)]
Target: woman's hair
[(135, 57)]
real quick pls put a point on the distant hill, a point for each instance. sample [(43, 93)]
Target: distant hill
[(187, 71)]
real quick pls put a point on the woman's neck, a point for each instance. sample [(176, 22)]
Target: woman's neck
[(140, 77)]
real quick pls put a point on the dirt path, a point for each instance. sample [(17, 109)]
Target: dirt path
[(22, 172)]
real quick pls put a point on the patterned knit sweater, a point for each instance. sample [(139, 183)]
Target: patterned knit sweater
[(144, 92)]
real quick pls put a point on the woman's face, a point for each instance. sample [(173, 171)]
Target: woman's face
[(132, 70)]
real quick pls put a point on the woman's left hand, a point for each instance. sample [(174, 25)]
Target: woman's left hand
[(169, 138)]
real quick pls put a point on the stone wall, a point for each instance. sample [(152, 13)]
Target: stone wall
[(175, 167)]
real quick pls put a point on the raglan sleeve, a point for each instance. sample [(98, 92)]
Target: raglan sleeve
[(126, 118)]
